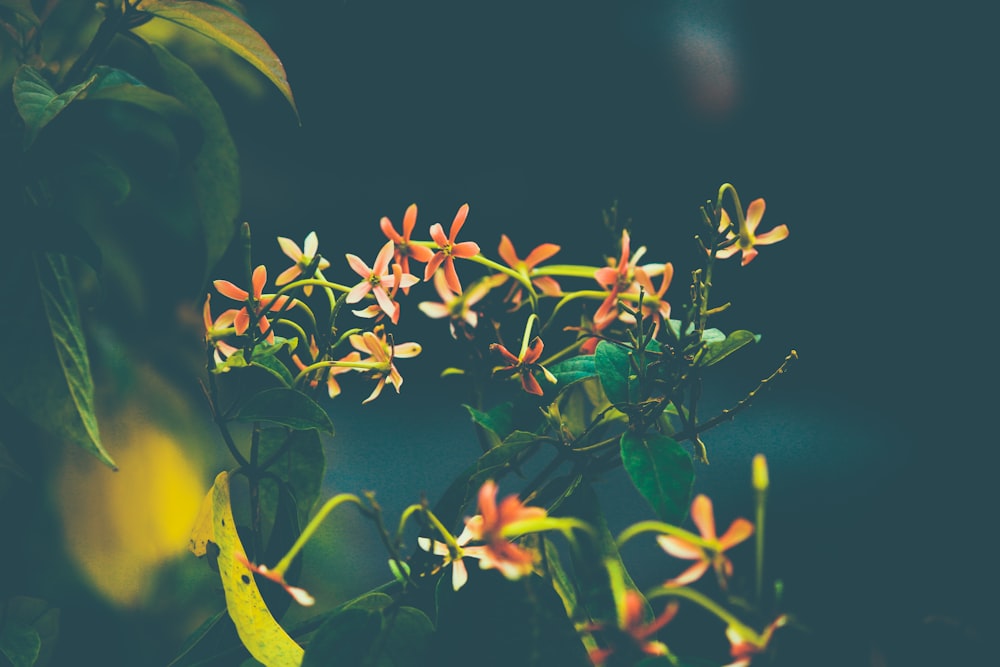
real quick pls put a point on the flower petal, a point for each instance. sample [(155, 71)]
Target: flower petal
[(228, 289), (540, 254), (359, 266), (754, 214), (290, 248), (456, 224), (689, 575), (259, 279), (680, 548), (506, 252), (701, 514), (739, 531)]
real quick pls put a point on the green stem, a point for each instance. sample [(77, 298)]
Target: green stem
[(709, 605), (661, 528), (313, 525)]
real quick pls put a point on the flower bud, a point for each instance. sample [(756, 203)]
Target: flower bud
[(760, 478)]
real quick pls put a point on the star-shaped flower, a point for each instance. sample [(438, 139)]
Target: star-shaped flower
[(383, 352), (621, 278), (456, 307), (711, 555), (524, 364), (302, 257), (547, 285), (403, 249), (448, 250), (746, 239), (331, 372), (378, 279), (256, 301)]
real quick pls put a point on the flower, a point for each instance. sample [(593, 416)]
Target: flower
[(454, 306), (401, 242), (377, 279), (298, 594), (448, 250), (332, 386), (712, 555), (221, 326), (261, 304), (382, 353), (746, 240), (491, 526), (662, 311), (302, 258), (459, 573), (632, 631), (620, 278), (743, 648), (524, 364), (546, 284)]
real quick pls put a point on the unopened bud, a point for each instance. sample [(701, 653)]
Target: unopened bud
[(760, 479)]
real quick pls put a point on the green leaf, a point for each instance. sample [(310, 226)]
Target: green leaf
[(662, 471), (288, 407), (574, 369), (228, 30), (59, 300), (495, 424), (718, 350), (274, 366), (216, 167), (344, 639), (37, 101), (614, 367), (578, 405), (301, 466)]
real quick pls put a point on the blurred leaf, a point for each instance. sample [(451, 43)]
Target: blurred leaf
[(19, 643), (301, 466), (59, 299), (214, 642), (718, 350), (288, 407), (216, 167), (230, 31), (266, 640), (285, 530), (28, 631), (344, 639), (37, 101), (204, 526), (496, 424), (21, 8), (661, 470)]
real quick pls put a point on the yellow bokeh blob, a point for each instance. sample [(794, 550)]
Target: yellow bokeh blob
[(120, 527)]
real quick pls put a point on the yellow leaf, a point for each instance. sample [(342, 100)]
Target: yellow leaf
[(266, 640), (204, 526)]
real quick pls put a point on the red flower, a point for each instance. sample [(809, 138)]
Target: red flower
[(524, 364), (743, 648), (448, 250)]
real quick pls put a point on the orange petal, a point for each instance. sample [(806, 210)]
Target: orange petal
[(740, 530), (701, 514)]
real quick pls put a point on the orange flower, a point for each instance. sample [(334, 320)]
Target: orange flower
[(632, 631), (401, 242), (257, 301), (456, 307), (488, 526), (713, 555), (546, 284), (448, 250), (746, 239), (332, 386), (383, 352), (621, 278)]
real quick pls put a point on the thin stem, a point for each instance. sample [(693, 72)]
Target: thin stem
[(313, 525), (661, 528), (709, 605)]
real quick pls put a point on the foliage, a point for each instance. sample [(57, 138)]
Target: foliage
[(622, 390)]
